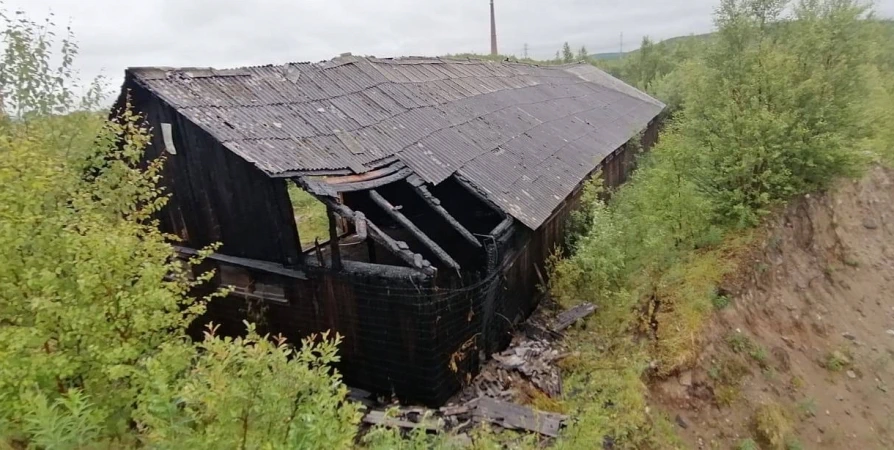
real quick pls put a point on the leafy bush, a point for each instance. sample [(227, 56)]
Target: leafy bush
[(94, 304), (773, 105), (250, 392)]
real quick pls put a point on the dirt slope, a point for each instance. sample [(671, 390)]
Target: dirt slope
[(803, 356)]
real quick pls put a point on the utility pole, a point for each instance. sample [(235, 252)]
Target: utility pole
[(493, 30), (621, 51), (525, 51)]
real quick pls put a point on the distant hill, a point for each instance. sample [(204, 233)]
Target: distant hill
[(607, 56), (679, 40)]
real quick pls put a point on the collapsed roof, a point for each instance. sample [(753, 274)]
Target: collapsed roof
[(524, 136)]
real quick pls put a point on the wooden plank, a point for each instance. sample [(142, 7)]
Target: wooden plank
[(502, 227), (412, 228), (435, 204), (334, 247), (264, 266), (370, 184), (567, 318), (382, 419), (517, 417)]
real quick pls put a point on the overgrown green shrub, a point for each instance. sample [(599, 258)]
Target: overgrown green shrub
[(776, 104), (94, 305), (250, 392)]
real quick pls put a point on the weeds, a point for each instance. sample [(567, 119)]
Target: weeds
[(797, 383), (747, 444), (807, 408), (727, 376), (738, 342), (743, 345), (793, 444), (835, 361), (720, 301), (771, 425)]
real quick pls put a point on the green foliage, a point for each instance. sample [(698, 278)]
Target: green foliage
[(792, 443), (777, 103), (94, 304), (250, 392), (836, 361), (774, 110), (613, 398), (310, 216), (720, 301), (567, 54), (747, 444), (771, 425), (582, 54)]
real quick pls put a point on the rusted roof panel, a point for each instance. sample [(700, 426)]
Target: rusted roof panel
[(523, 135)]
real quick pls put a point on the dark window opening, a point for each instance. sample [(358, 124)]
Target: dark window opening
[(476, 215)]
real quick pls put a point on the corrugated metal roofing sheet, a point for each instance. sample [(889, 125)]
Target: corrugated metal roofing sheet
[(523, 135)]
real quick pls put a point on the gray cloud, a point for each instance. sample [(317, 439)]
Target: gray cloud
[(224, 33)]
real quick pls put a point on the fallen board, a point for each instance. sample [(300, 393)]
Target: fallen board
[(381, 418), (567, 318), (517, 417)]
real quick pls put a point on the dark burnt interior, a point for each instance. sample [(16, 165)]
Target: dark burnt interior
[(473, 213), (441, 224)]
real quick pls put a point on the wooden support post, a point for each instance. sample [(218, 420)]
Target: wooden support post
[(436, 205), (400, 249), (503, 226), (371, 249), (412, 228), (334, 248)]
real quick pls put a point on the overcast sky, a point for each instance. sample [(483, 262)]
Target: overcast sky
[(114, 34)]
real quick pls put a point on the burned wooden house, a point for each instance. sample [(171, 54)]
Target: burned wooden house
[(447, 185)]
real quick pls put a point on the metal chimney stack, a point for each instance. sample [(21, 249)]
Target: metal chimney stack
[(493, 30)]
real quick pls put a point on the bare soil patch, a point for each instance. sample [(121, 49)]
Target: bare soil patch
[(803, 357)]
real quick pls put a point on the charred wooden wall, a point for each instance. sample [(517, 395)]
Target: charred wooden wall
[(216, 195), (401, 335)]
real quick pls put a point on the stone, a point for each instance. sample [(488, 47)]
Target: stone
[(870, 224), (686, 379), (682, 423), (890, 332), (851, 374), (849, 336)]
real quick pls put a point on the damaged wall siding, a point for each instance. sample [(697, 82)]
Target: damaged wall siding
[(218, 197), (401, 334)]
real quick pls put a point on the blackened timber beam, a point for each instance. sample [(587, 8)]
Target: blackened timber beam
[(436, 205), (334, 248), (480, 196), (412, 228), (401, 249), (503, 226), (398, 248)]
